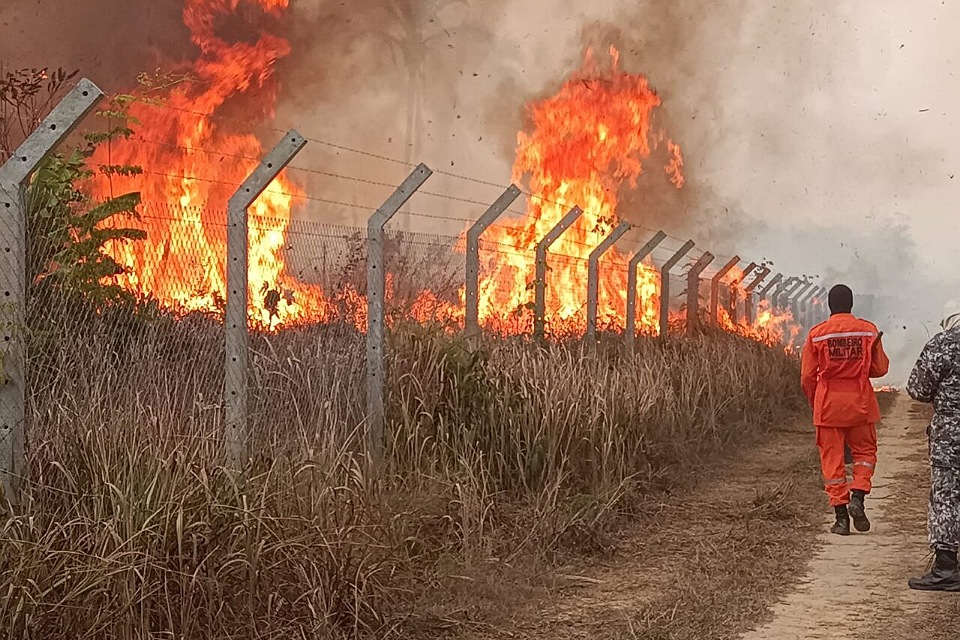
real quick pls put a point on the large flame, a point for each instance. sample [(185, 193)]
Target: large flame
[(186, 187), (588, 143)]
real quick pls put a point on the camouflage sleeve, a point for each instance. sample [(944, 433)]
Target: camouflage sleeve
[(925, 377)]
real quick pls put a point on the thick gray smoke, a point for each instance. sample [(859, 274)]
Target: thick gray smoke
[(817, 135), (111, 41)]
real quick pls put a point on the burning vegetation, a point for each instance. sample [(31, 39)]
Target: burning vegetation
[(588, 143), (182, 262), (500, 455), (586, 146)]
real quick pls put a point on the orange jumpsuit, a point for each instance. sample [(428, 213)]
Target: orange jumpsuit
[(839, 358)]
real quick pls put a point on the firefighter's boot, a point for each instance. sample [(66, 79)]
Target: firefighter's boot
[(858, 512), (942, 577), (842, 526)]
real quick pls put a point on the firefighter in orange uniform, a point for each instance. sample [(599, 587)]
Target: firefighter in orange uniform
[(839, 358)]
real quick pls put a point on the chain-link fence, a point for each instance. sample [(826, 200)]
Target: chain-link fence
[(121, 324)]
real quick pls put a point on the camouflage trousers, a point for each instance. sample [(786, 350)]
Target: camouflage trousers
[(943, 519)]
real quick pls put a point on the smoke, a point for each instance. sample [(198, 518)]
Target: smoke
[(813, 134), (816, 135), (812, 140), (408, 80), (110, 41)]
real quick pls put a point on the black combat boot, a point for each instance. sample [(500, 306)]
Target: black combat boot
[(857, 511), (942, 577), (842, 526)]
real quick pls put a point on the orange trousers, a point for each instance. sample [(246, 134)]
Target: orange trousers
[(862, 442)]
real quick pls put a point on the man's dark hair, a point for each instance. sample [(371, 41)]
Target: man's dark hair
[(840, 299)]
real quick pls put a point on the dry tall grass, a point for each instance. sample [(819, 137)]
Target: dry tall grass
[(132, 530)]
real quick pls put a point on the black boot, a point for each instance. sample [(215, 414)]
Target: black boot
[(942, 577), (857, 511), (842, 526)]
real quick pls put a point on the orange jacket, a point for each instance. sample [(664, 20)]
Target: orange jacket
[(838, 360)]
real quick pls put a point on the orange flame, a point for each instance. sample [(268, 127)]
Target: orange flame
[(771, 325), (181, 264), (588, 142)]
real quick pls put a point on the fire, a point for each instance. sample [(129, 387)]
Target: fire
[(587, 143), (770, 326), (181, 263)]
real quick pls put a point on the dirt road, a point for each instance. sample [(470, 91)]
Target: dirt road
[(855, 587)]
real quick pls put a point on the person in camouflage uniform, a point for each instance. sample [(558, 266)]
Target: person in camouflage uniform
[(936, 379)]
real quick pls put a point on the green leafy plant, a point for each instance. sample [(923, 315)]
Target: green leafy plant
[(68, 234)]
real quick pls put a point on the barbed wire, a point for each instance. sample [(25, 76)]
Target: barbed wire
[(339, 176), (202, 150), (347, 232), (326, 143), (346, 148), (369, 182), (250, 123), (423, 192), (359, 180), (296, 231), (343, 204)]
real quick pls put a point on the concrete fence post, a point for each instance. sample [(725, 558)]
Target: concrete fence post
[(593, 279), (820, 308), (780, 289), (786, 296), (665, 287), (777, 279), (804, 304), (471, 325), (693, 290), (735, 288), (715, 287), (14, 179), (749, 299), (376, 308), (236, 316), (540, 282), (796, 297), (630, 331), (823, 311)]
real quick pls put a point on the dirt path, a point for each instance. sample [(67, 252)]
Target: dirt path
[(704, 562), (856, 587), (748, 546)]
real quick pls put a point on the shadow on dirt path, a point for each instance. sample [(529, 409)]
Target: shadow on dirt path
[(748, 546), (855, 587)]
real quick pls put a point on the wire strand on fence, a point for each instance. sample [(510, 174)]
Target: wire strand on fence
[(340, 203), (327, 143), (361, 152), (358, 179), (178, 147), (296, 228)]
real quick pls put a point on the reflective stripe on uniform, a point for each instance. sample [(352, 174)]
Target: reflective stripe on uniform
[(869, 465), (835, 481), (846, 334)]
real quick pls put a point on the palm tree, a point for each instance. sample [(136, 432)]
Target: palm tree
[(417, 32)]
